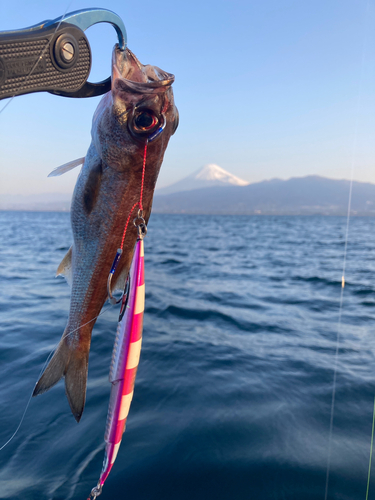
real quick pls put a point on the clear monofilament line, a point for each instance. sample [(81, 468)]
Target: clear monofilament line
[(334, 389), (370, 460), (42, 370), (43, 51), (339, 322), (338, 333)]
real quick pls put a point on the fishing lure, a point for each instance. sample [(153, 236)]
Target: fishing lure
[(125, 358)]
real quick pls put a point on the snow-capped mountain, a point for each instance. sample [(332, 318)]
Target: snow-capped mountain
[(296, 196), (207, 176)]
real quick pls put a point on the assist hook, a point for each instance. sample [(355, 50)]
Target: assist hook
[(140, 223)]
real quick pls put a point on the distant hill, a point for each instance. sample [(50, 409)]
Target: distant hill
[(207, 176), (45, 202), (299, 195), (296, 196)]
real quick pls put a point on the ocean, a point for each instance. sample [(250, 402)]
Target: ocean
[(233, 394)]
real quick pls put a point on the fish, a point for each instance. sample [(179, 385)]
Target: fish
[(140, 105)]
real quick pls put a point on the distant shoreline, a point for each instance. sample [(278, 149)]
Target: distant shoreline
[(311, 195), (222, 214)]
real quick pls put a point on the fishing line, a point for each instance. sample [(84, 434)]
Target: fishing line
[(140, 202), (42, 370), (338, 340), (339, 322), (1, 110), (37, 61), (372, 442)]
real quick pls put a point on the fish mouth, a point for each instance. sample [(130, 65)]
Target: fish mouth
[(129, 75), (144, 89)]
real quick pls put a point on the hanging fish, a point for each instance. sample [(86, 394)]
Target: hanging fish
[(125, 358), (139, 107)]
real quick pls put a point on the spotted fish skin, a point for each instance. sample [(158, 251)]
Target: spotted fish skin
[(107, 188)]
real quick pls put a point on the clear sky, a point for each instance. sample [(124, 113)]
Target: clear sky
[(265, 88)]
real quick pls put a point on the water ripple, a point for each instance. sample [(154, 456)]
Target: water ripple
[(233, 393)]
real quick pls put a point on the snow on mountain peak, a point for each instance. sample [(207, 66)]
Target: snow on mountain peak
[(212, 172), (208, 176)]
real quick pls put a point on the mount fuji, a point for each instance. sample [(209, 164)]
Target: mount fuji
[(207, 176), (296, 196)]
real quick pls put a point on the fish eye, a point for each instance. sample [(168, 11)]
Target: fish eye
[(145, 121)]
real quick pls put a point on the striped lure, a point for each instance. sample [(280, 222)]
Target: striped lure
[(125, 360)]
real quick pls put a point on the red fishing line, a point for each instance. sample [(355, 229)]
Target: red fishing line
[(143, 176), (140, 196)]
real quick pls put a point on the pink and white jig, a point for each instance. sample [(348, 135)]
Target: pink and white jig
[(125, 359)]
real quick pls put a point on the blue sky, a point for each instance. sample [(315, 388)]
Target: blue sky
[(271, 88)]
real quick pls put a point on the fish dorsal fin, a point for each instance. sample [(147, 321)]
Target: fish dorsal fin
[(65, 267), (66, 167)]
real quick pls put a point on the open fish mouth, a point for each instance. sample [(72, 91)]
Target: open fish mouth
[(129, 75), (140, 94)]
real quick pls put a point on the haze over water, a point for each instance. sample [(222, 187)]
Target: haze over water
[(233, 393)]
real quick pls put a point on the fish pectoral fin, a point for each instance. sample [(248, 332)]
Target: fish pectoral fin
[(65, 267), (66, 167)]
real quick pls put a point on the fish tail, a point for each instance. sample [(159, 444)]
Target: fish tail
[(73, 365), (75, 382)]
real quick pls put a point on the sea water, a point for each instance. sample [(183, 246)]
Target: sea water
[(233, 394)]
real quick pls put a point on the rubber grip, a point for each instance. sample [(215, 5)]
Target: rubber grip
[(30, 61)]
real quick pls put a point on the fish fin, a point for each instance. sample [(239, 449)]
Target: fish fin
[(66, 167), (119, 284), (65, 267), (72, 365), (75, 382), (55, 369)]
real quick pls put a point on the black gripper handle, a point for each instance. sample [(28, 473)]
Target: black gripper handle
[(44, 60)]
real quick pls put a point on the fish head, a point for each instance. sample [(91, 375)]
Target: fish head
[(139, 108)]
